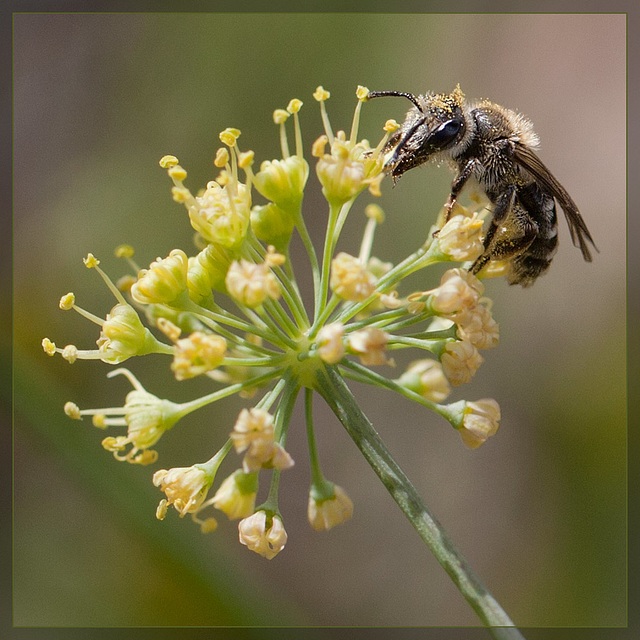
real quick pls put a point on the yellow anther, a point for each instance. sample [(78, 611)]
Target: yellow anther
[(90, 261), (49, 347), (229, 136), (72, 410), (179, 194), (245, 159), (70, 353), (390, 126), (317, 149), (294, 105), (177, 173), (124, 251), (222, 157), (99, 421), (375, 212), (362, 93), (321, 94), (280, 116), (166, 162), (67, 301)]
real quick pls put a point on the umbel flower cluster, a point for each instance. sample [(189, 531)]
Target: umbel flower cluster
[(233, 311)]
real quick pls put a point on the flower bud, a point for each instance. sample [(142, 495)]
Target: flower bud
[(327, 513), (426, 378), (272, 225), (283, 182), (222, 213), (164, 281), (460, 360), (481, 420), (206, 273), (123, 335), (236, 496), (370, 344)]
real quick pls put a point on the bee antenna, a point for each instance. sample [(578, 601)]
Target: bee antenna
[(397, 94)]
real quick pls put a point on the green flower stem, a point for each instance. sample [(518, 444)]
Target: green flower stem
[(211, 466), (435, 346), (318, 482), (220, 316), (253, 361), (329, 244), (321, 321), (242, 344), (285, 409), (282, 421), (419, 259), (286, 278), (409, 321), (311, 251), (198, 403), (270, 397), (279, 314), (339, 398), (381, 319), (367, 376), (272, 323)]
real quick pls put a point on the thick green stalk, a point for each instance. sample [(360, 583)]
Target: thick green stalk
[(338, 396)]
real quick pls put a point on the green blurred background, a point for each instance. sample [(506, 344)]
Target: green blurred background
[(539, 511)]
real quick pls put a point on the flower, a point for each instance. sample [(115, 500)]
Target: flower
[(350, 279), (146, 417), (480, 421), (459, 290), (164, 281), (236, 496), (221, 214), (460, 237), (185, 487), (327, 513), (198, 354), (370, 344), (479, 328), (266, 537), (234, 313), (251, 284), (253, 432), (330, 343), (460, 360), (426, 378)]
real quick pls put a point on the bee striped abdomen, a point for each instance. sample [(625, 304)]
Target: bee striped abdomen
[(537, 257)]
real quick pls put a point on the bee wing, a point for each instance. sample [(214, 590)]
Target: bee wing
[(528, 160)]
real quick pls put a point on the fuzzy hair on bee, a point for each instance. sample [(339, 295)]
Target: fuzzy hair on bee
[(496, 148)]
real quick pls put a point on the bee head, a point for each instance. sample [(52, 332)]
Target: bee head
[(436, 124)]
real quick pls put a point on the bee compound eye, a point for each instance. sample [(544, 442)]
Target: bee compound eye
[(445, 133)]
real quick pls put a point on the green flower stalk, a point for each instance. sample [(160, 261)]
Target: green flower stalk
[(232, 311)]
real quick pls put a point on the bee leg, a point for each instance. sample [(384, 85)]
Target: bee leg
[(456, 188), (502, 206), (457, 185), (510, 245)]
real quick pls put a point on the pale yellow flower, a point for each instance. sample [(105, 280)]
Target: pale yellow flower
[(267, 540), (325, 514)]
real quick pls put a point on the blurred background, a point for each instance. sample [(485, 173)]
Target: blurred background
[(539, 511)]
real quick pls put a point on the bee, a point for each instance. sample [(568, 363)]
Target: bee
[(494, 146)]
